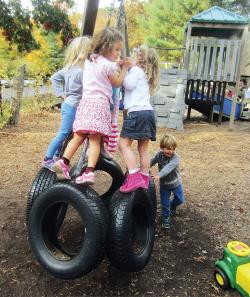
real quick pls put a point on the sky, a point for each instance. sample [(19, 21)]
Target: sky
[(79, 4)]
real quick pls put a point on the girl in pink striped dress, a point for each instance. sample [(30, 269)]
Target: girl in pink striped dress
[(93, 117)]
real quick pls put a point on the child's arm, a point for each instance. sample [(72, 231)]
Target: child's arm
[(131, 79), (174, 162), (154, 160), (116, 80), (57, 80)]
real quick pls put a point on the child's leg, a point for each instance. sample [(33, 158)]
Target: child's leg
[(73, 145), (134, 180), (88, 176), (68, 115), (178, 199), (94, 149), (127, 153), (61, 167), (144, 155), (165, 205), (144, 160)]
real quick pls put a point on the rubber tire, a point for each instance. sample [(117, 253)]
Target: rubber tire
[(43, 180), (111, 167), (153, 197), (91, 210), (227, 284), (121, 208)]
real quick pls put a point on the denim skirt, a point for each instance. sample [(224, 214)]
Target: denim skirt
[(139, 125)]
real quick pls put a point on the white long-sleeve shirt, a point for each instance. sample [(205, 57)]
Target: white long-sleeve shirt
[(137, 95)]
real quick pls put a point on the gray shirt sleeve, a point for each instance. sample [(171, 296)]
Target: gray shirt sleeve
[(58, 81), (173, 163), (154, 160)]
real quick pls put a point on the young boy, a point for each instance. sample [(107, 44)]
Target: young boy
[(169, 176)]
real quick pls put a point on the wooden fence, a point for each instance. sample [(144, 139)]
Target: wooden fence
[(213, 59)]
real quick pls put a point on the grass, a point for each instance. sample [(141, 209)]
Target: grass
[(35, 105)]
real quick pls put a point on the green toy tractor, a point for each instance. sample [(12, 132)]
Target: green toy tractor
[(233, 271)]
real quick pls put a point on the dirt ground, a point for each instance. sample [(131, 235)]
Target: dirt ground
[(215, 167)]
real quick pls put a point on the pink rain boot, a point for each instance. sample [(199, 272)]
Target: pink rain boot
[(133, 182), (146, 179)]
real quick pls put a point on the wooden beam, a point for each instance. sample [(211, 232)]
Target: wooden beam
[(218, 26), (187, 51), (239, 71), (89, 17)]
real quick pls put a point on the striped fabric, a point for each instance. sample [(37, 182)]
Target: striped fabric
[(112, 142)]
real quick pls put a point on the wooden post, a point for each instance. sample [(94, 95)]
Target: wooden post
[(187, 50), (16, 101), (239, 70), (89, 17)]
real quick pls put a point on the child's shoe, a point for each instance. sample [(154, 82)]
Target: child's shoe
[(48, 164), (165, 223), (56, 158), (133, 182), (146, 179), (61, 170), (86, 178)]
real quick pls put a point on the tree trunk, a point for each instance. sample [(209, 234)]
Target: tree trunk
[(16, 100)]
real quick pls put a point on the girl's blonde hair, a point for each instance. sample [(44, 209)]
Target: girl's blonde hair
[(149, 61), (168, 141), (77, 52), (103, 41)]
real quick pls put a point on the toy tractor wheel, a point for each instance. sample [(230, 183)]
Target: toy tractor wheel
[(222, 279)]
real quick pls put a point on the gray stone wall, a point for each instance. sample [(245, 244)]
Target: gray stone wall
[(169, 101)]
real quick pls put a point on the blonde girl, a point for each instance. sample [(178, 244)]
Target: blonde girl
[(139, 124), (67, 85), (93, 117)]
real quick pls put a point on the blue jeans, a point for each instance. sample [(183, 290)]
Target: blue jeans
[(166, 203), (68, 113)]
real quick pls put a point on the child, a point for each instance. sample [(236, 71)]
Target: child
[(93, 117), (169, 176), (67, 84), (139, 123)]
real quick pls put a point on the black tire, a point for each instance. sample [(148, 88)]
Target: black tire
[(111, 167), (131, 230), (225, 282), (153, 197), (90, 209), (43, 180)]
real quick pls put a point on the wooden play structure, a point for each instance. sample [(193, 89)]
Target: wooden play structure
[(215, 43)]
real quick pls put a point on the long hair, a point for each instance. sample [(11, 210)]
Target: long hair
[(104, 40), (148, 60), (77, 52)]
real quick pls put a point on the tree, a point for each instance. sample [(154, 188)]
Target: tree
[(241, 7), (136, 33), (165, 21), (16, 25), (52, 17)]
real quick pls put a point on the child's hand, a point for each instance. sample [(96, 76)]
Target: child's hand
[(156, 177), (128, 62)]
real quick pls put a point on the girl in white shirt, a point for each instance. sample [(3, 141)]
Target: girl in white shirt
[(139, 124)]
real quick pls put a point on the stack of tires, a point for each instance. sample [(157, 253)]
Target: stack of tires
[(71, 228)]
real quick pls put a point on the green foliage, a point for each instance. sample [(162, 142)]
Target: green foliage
[(241, 7), (165, 23), (53, 18), (38, 104), (6, 108), (16, 25)]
